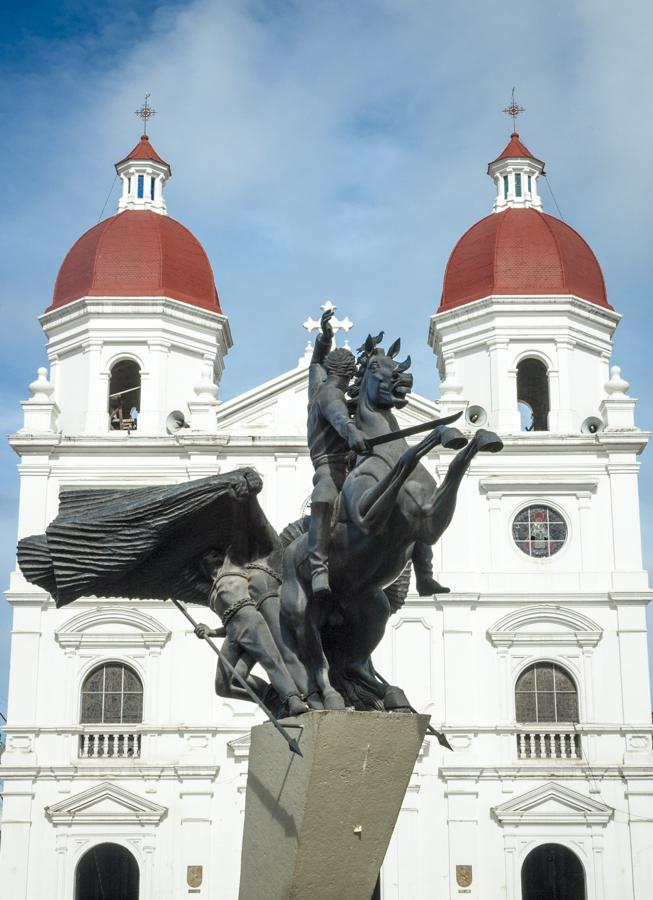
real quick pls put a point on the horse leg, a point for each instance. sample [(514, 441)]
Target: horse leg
[(293, 603), (378, 502), (301, 623), (361, 632), (316, 616), (271, 612), (439, 513)]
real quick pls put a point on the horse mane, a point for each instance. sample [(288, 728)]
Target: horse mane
[(365, 352)]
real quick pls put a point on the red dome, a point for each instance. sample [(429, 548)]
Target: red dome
[(521, 251), (137, 253)]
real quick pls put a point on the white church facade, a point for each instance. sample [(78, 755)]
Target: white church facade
[(124, 774)]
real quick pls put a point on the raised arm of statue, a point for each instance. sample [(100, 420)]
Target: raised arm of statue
[(317, 373)]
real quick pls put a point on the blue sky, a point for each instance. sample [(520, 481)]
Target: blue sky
[(319, 149)]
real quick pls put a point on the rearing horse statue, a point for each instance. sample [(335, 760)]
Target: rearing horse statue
[(388, 503)]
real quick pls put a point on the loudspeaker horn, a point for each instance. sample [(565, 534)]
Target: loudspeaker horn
[(175, 422), (476, 416), (592, 425)]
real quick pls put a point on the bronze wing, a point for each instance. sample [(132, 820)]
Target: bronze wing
[(145, 543)]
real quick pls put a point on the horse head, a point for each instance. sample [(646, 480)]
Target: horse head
[(381, 382)]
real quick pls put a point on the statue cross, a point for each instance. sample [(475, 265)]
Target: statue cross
[(513, 110), (145, 112), (337, 324)]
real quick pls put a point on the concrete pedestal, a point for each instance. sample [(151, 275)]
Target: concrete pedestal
[(318, 826)]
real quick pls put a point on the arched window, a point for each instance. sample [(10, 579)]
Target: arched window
[(107, 870), (124, 395), (545, 692), (112, 694), (546, 695), (533, 395), (552, 871)]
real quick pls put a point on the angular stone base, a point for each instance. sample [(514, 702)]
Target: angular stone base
[(318, 826)]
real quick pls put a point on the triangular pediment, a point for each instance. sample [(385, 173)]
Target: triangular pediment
[(552, 804), (275, 407), (103, 804), (240, 746), (278, 407)]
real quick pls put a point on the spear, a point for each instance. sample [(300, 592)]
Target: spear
[(406, 432), (292, 743)]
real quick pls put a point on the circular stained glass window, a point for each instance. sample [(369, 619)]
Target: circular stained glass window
[(539, 531)]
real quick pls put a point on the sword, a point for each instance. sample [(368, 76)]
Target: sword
[(406, 432), (292, 743)]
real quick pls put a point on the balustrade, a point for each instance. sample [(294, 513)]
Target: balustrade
[(109, 745), (548, 745)]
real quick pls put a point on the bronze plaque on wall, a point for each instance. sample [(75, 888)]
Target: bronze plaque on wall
[(463, 876), (194, 876)]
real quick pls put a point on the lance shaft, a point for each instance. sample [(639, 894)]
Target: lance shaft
[(406, 432), (292, 743)]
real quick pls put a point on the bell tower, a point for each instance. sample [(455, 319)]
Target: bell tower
[(135, 330), (523, 333)]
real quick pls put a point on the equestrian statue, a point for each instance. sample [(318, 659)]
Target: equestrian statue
[(310, 604)]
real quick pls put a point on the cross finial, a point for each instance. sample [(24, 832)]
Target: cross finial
[(145, 112), (513, 110), (336, 324)]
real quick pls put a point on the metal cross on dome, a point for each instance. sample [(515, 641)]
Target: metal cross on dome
[(337, 324), (513, 110), (145, 112)]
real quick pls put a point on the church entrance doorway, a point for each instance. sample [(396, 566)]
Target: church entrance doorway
[(107, 872), (552, 872)]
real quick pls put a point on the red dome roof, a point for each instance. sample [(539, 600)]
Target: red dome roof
[(521, 251), (137, 253)]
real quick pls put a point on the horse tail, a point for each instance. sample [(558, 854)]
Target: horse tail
[(398, 590), (294, 530)]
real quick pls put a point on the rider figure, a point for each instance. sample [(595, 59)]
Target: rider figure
[(331, 434)]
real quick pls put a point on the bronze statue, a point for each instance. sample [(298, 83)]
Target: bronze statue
[(389, 502), (332, 439), (312, 603), (239, 592), (245, 595), (331, 435)]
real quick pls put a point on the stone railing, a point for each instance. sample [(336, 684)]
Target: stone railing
[(548, 743), (97, 742)]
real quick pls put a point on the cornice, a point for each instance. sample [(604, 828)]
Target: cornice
[(526, 304), (544, 770), (140, 772), (145, 306), (535, 483)]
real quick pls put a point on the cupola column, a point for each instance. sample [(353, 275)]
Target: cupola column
[(561, 416), (143, 175), (504, 415), (97, 413), (515, 173)]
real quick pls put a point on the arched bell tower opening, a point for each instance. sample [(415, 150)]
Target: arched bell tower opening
[(533, 394), (552, 872), (107, 870), (124, 395)]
